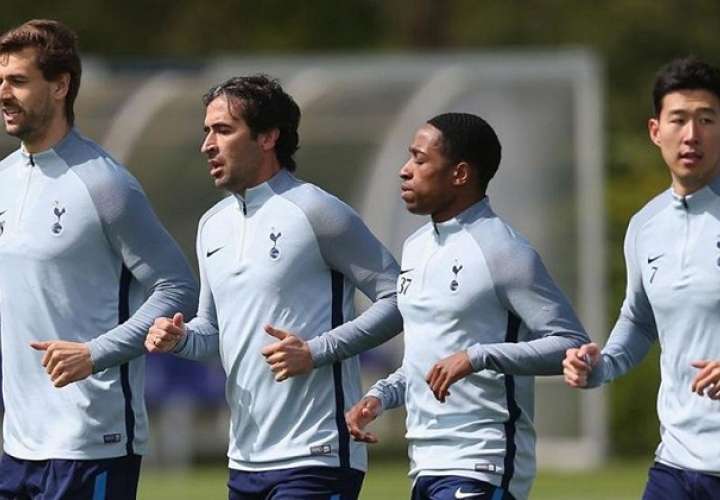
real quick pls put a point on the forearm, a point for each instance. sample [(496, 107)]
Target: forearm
[(390, 390), (537, 357), (379, 323), (126, 341), (627, 346), (201, 341)]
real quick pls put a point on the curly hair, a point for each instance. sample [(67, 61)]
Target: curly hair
[(264, 106)]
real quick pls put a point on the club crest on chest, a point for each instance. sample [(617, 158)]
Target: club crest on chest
[(58, 211), (274, 237), (455, 283)]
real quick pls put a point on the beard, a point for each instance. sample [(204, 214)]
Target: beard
[(32, 123)]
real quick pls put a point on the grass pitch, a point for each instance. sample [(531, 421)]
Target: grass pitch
[(387, 480)]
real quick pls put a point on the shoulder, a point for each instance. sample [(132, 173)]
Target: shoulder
[(650, 212), (11, 159), (95, 167), (419, 235), (511, 259), (215, 211), (497, 240), (325, 212)]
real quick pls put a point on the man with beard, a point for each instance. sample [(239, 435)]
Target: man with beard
[(79, 244), (281, 257)]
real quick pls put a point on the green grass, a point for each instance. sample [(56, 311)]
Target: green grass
[(387, 481)]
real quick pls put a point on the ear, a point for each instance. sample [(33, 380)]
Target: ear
[(61, 86), (267, 140), (462, 174), (654, 130)]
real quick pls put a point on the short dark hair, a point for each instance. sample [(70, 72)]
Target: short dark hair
[(264, 106), (57, 53), (469, 138), (687, 73)]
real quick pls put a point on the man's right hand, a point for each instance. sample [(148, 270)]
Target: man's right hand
[(165, 334), (578, 364), (359, 416)]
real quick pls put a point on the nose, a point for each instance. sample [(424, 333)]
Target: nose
[(406, 170), (4, 89), (208, 145), (692, 132)]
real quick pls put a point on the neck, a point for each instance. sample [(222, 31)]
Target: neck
[(685, 187), (458, 205), (267, 171), (54, 133)]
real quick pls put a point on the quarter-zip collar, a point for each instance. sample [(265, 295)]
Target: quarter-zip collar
[(256, 196), (47, 157), (443, 229)]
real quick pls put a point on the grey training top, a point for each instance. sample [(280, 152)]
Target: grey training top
[(474, 284), (672, 255), (82, 258), (290, 255)]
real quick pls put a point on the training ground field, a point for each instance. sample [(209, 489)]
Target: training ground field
[(387, 481)]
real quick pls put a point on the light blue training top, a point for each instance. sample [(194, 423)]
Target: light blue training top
[(80, 250), (290, 255), (672, 255), (474, 284)]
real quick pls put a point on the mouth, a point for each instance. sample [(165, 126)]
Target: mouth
[(215, 168), (690, 158), (10, 113), (405, 192)]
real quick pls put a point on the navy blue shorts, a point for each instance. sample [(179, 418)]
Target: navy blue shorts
[(666, 482), (454, 487), (306, 483), (107, 479)]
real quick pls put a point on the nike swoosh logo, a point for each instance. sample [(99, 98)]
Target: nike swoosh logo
[(2, 213), (653, 259), (461, 494), (403, 271), (213, 252)]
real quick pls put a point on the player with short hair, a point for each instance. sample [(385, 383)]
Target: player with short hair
[(80, 250), (284, 257), (672, 255), (481, 316)]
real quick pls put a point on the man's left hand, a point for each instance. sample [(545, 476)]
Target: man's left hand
[(707, 380), (65, 362), (446, 372), (288, 357)]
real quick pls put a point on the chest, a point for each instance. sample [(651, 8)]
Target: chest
[(443, 280), (268, 250), (681, 260), (46, 217)]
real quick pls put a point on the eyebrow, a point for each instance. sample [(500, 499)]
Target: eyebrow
[(683, 111), (216, 125)]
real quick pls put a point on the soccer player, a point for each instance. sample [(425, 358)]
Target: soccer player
[(672, 254), (79, 243), (482, 316), (284, 257)]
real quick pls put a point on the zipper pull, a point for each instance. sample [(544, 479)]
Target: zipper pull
[(32, 160), (244, 207)]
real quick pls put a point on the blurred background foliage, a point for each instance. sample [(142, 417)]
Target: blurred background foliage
[(633, 38)]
